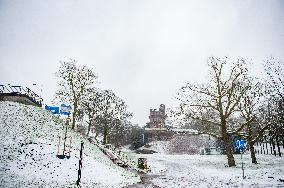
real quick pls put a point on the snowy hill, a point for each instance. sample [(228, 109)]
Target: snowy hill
[(29, 136)]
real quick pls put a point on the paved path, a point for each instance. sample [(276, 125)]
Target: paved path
[(176, 173), (182, 171), (146, 182)]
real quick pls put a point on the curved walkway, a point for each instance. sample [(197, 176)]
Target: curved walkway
[(181, 171)]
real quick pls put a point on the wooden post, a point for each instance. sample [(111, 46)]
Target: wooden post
[(70, 146), (58, 145)]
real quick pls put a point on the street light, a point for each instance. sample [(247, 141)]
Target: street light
[(40, 89)]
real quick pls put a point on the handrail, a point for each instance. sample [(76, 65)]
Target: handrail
[(23, 91)]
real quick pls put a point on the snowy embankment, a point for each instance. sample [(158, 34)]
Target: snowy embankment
[(29, 138)]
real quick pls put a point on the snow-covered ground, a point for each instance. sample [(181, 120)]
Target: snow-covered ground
[(29, 138), (172, 171), (29, 144), (157, 146), (181, 144)]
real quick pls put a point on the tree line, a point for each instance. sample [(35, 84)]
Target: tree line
[(100, 109), (233, 103)]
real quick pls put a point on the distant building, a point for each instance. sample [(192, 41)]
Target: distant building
[(157, 118)]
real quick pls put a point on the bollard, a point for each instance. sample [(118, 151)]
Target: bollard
[(142, 163)]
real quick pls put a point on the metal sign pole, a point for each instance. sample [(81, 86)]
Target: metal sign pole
[(64, 141), (65, 137), (242, 164), (80, 164), (241, 145)]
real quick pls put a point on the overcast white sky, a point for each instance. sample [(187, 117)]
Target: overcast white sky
[(143, 50)]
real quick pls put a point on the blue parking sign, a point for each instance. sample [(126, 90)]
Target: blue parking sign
[(241, 144)]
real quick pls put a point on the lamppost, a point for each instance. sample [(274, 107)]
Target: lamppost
[(40, 87)]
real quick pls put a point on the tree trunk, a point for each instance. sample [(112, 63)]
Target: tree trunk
[(278, 146), (89, 128), (97, 134), (89, 124), (271, 149), (228, 144), (267, 152), (105, 135), (73, 120), (251, 144), (257, 150), (252, 151), (74, 115), (273, 146)]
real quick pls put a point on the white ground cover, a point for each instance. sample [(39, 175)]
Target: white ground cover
[(182, 144), (29, 138), (211, 171), (158, 146)]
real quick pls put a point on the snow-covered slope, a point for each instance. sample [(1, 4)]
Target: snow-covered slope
[(29, 140)]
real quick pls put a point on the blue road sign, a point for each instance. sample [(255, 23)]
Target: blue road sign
[(65, 109), (53, 109), (241, 144)]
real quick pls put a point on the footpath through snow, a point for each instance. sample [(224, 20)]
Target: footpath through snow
[(29, 138), (182, 171)]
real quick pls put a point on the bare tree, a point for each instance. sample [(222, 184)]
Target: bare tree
[(112, 113), (275, 82), (120, 132), (215, 103), (275, 87), (91, 106), (73, 84), (249, 107)]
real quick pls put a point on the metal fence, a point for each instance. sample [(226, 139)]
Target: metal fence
[(20, 90), (269, 148)]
